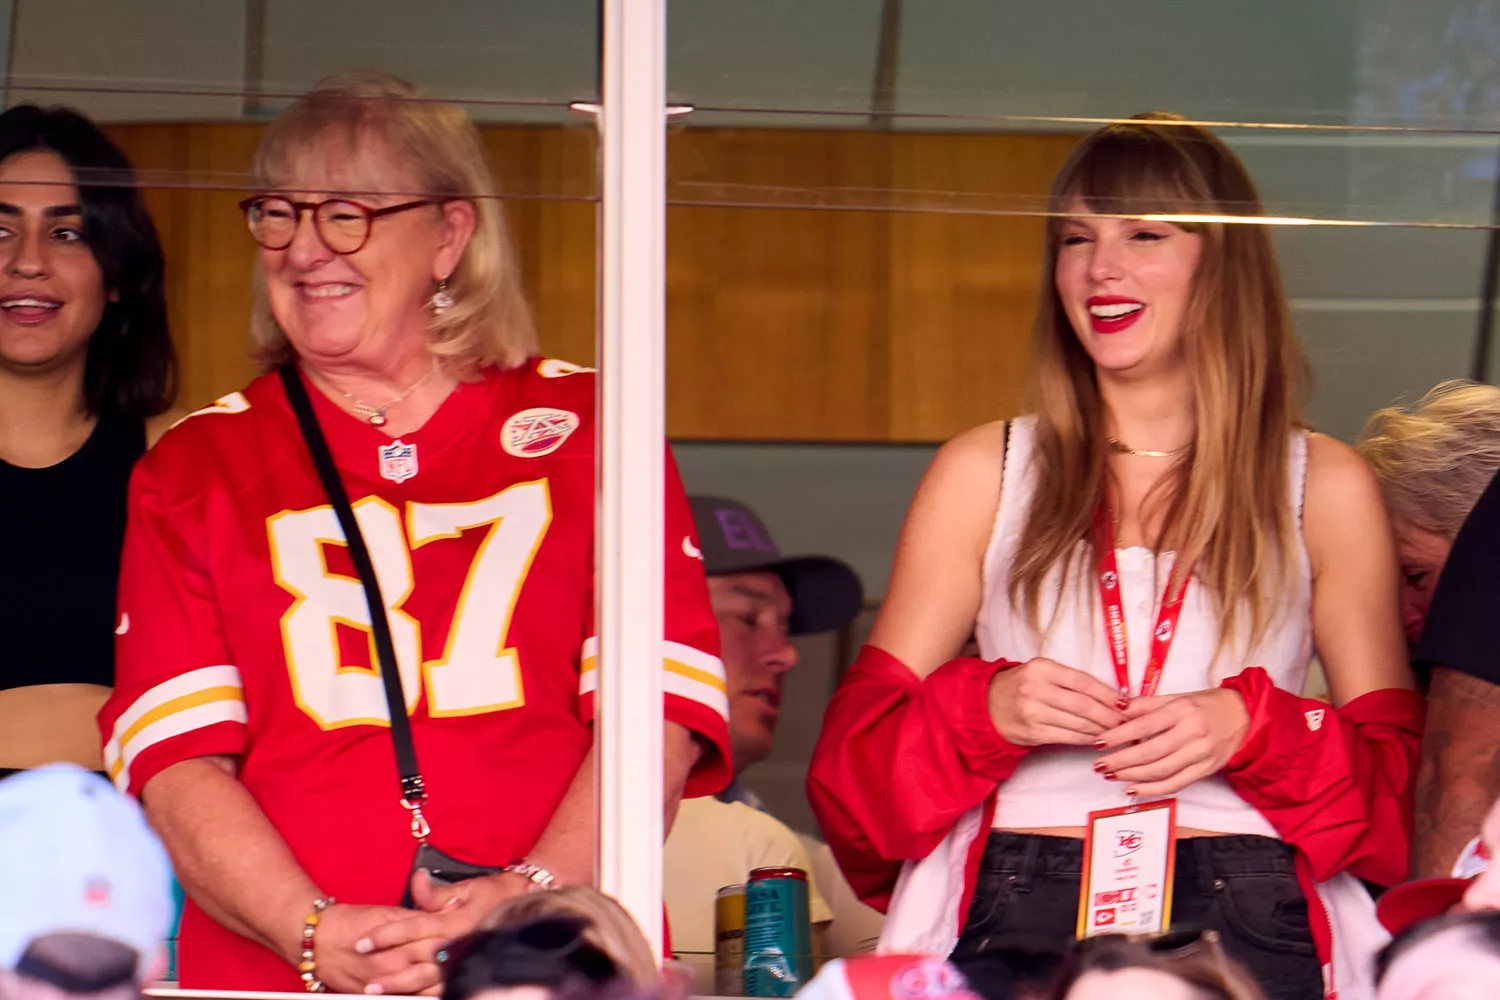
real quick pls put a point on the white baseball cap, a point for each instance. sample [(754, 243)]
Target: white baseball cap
[(77, 857), (887, 977)]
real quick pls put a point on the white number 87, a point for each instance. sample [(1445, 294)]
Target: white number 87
[(476, 672)]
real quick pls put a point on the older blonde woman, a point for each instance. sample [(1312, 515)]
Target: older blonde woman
[(1433, 461), (1436, 462), (251, 713)]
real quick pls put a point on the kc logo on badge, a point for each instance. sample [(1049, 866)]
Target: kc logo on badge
[(1127, 842), (398, 461), (536, 432)]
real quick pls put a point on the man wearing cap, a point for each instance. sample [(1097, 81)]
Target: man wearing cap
[(761, 598), (85, 889)]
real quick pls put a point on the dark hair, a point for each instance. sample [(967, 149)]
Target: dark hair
[(131, 370), (1014, 968), (1484, 925), (551, 952), (78, 963), (1194, 956)]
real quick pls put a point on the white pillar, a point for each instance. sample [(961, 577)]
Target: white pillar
[(632, 405)]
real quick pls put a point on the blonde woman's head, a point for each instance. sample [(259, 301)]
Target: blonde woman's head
[(609, 928), (375, 140), (1433, 459)]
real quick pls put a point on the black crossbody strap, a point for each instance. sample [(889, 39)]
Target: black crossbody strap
[(413, 791)]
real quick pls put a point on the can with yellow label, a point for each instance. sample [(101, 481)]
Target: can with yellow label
[(729, 941)]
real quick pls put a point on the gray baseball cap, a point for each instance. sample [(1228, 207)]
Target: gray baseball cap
[(826, 592)]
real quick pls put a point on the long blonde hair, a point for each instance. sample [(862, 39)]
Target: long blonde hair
[(1434, 459), (364, 114), (610, 928), (1226, 506)]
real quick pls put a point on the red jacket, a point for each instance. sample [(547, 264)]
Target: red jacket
[(902, 762)]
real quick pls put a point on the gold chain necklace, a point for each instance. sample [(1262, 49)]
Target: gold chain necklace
[(1145, 452), (376, 414)]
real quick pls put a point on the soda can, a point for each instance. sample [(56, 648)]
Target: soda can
[(778, 935), (729, 941)]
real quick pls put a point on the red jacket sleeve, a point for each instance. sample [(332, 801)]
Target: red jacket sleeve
[(1336, 783), (899, 761)]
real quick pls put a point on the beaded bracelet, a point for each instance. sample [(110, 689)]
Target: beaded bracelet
[(540, 878), (309, 964)]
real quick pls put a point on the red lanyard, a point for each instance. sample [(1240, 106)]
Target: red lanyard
[(1114, 612)]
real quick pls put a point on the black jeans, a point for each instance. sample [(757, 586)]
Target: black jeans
[(1243, 887)]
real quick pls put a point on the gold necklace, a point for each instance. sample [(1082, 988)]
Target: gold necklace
[(1145, 452), (376, 414)]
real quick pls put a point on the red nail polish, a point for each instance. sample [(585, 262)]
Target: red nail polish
[(1122, 704), (1110, 777), (1100, 744), (1131, 792), (1099, 765)]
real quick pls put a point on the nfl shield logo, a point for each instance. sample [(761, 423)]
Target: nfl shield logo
[(398, 462)]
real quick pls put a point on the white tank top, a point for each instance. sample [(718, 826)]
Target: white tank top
[(1056, 786)]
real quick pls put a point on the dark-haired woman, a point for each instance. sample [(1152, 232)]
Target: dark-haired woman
[(87, 374)]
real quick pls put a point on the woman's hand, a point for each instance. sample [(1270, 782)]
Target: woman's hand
[(1171, 741), (344, 969), (1042, 702), (448, 912)]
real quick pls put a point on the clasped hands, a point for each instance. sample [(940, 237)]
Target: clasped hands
[(1156, 746), (393, 951)]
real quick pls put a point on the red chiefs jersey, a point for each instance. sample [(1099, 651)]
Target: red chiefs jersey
[(244, 630)]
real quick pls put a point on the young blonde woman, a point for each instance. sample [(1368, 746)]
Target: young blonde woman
[(1164, 478)]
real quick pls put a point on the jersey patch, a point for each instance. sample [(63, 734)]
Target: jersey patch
[(538, 431), (398, 461)]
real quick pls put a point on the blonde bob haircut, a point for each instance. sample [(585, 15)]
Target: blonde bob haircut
[(1225, 508), (1434, 459), (362, 117), (610, 928)]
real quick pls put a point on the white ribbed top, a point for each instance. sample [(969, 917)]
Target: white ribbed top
[(1057, 786)]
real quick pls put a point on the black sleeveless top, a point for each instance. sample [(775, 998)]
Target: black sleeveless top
[(61, 529)]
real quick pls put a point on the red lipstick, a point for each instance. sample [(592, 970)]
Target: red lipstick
[(1119, 313)]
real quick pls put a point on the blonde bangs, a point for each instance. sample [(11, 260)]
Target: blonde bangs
[(1226, 509), (363, 118)]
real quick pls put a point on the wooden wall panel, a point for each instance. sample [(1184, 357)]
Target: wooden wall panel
[(776, 318), (783, 324), (210, 257), (964, 286), (549, 174)]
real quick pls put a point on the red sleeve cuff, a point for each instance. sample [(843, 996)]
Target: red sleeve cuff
[(224, 739), (1255, 686), (958, 693), (713, 771)]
